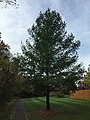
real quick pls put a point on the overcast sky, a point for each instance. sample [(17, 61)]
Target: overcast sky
[(76, 13)]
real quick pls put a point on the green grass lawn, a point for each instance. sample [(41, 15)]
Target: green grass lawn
[(61, 109), (7, 110)]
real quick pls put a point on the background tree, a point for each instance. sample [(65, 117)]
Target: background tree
[(21, 85), (7, 73), (50, 55), (87, 78)]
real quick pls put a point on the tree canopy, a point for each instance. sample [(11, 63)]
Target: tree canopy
[(8, 73), (50, 55)]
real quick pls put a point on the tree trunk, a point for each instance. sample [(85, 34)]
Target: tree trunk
[(47, 92), (47, 99)]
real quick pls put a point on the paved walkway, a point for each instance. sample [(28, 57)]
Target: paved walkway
[(19, 113)]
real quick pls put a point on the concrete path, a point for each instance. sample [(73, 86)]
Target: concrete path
[(19, 113)]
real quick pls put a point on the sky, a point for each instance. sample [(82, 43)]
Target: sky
[(14, 22)]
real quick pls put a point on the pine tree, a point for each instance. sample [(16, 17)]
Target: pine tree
[(50, 55)]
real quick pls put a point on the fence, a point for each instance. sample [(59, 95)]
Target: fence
[(81, 94)]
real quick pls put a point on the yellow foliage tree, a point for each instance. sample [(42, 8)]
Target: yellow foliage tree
[(87, 77)]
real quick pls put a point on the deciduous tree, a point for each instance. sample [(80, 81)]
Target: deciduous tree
[(7, 73), (9, 2), (87, 77)]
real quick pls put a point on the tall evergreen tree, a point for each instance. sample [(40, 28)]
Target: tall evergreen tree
[(50, 55)]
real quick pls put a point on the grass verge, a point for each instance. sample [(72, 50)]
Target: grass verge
[(61, 109), (7, 110)]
